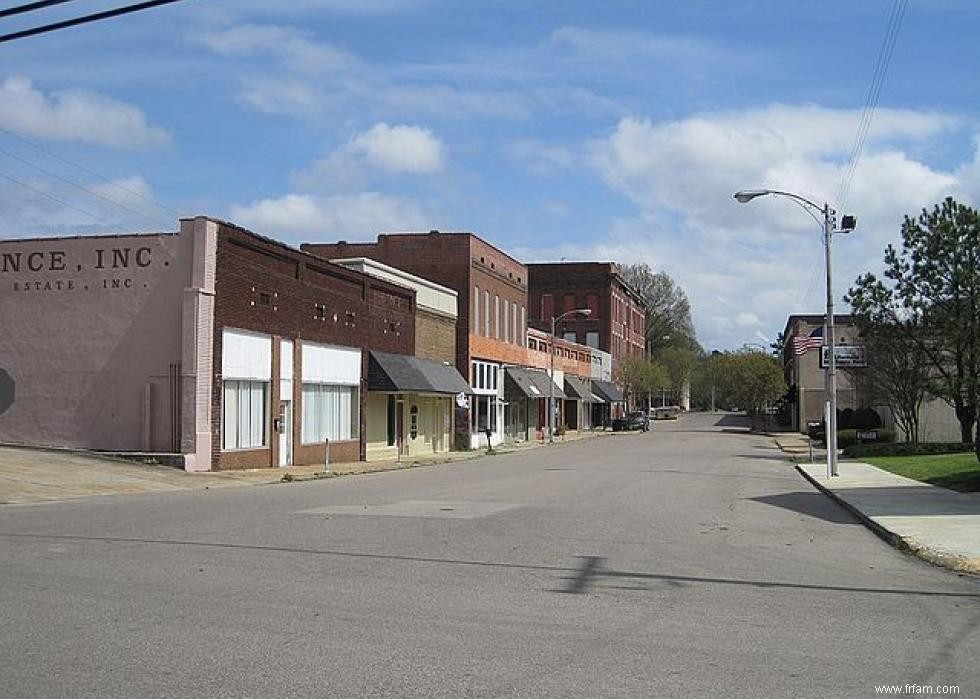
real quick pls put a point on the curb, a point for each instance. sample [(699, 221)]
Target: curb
[(957, 564)]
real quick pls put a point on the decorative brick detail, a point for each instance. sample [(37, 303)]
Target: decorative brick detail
[(309, 299)]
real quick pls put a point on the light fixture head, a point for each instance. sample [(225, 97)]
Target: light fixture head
[(746, 195)]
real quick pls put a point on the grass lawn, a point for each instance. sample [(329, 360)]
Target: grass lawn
[(954, 471)]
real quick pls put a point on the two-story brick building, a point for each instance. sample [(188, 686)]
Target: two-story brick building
[(616, 323), (492, 321)]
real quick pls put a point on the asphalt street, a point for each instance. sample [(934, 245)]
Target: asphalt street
[(689, 561)]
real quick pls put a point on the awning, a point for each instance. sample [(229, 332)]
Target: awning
[(400, 373), (608, 391), (529, 383), (579, 388)]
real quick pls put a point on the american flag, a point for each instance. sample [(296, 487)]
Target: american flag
[(802, 345)]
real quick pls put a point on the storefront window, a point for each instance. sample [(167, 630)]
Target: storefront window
[(330, 412), (244, 414)]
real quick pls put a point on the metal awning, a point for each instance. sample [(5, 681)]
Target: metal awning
[(401, 373), (578, 388), (608, 391), (529, 383)]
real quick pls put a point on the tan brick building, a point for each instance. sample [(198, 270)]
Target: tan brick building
[(805, 374)]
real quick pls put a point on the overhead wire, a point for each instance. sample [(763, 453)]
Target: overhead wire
[(80, 187), (30, 7), (885, 53), (115, 184), (55, 199), (84, 19)]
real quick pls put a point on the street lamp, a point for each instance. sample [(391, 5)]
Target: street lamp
[(848, 224), (551, 387)]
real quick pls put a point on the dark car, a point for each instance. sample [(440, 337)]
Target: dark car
[(636, 420)]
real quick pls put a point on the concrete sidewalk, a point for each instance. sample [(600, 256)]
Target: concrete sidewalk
[(939, 525), (33, 475)]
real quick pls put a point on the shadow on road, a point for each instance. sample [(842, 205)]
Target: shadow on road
[(590, 569), (811, 504), (733, 420)]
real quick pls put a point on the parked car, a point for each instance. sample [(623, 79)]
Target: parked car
[(636, 420)]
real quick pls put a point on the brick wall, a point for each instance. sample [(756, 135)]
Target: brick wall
[(267, 287), (616, 315), (459, 261), (435, 337)]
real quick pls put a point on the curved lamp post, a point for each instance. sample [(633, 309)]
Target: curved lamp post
[(848, 224), (551, 387)]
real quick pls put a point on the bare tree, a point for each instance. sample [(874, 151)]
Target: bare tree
[(668, 321)]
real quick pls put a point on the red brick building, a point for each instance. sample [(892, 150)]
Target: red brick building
[(618, 318), (491, 328)]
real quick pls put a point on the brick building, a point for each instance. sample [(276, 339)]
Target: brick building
[(216, 345), (618, 319), (491, 328)]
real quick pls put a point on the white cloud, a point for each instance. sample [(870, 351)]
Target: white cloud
[(302, 217), (541, 158), (747, 267), (38, 207), (294, 47), (400, 148), (75, 115)]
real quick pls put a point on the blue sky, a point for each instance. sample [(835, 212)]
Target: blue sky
[(576, 130)]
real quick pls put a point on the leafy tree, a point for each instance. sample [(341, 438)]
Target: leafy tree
[(680, 364), (641, 377), (668, 320), (749, 379), (897, 371), (934, 299)]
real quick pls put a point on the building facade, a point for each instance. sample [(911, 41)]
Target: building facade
[(215, 345), (617, 321), (409, 420), (491, 327), (805, 373)]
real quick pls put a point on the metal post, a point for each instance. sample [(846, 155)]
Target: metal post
[(326, 456), (551, 388), (828, 222)]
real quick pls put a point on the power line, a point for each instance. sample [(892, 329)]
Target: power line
[(93, 173), (82, 188), (59, 201), (30, 7), (874, 92), (85, 19)]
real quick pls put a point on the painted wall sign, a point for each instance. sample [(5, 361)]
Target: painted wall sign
[(102, 268)]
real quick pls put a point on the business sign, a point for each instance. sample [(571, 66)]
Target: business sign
[(845, 356)]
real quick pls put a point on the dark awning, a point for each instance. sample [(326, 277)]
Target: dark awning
[(530, 383), (578, 388), (401, 373), (608, 391)]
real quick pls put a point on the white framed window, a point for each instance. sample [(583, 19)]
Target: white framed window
[(486, 313), (522, 328), (330, 412), (244, 414)]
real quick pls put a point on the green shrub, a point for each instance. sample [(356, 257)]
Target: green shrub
[(865, 419), (848, 438), (845, 419), (906, 449)]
